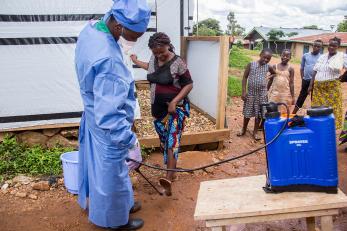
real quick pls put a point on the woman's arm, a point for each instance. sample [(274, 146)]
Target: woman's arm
[(271, 78), (139, 63), (183, 93), (291, 84), (244, 82), (310, 88)]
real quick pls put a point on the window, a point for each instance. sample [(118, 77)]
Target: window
[(306, 48)]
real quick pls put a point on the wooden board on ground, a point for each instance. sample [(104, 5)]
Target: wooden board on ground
[(41, 127), (190, 138), (244, 197)]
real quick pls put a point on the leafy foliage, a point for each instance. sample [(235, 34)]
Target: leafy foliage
[(291, 34), (238, 59), (314, 27), (208, 26), (16, 158), (233, 28), (275, 34), (234, 86), (342, 27)]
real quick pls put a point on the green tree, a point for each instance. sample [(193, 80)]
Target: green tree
[(291, 34), (315, 27), (342, 27), (210, 26), (233, 28), (275, 35)]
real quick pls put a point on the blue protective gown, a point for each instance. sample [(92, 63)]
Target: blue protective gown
[(107, 90)]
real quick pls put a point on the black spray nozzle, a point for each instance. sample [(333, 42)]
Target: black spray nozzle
[(271, 109)]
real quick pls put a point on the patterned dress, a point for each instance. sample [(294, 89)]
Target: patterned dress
[(280, 89), (256, 90)]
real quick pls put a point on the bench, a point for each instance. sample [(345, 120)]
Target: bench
[(242, 200)]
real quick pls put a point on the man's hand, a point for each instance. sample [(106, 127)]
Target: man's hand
[(135, 154)]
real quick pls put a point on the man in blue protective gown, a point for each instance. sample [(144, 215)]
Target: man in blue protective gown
[(105, 138)]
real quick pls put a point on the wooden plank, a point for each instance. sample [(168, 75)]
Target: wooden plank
[(244, 197), (223, 81), (218, 229), (311, 223), (203, 38), (190, 138), (183, 52), (326, 223), (39, 127), (142, 85), (271, 217)]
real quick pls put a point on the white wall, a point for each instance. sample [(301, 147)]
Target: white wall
[(203, 64)]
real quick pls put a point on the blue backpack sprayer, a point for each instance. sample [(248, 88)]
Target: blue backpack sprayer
[(300, 152), (303, 158)]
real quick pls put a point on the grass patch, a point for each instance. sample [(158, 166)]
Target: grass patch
[(17, 158), (239, 58), (234, 86)]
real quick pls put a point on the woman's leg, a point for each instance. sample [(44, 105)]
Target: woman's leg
[(256, 126), (171, 163), (244, 127)]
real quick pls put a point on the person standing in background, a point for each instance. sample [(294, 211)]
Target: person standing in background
[(307, 63)]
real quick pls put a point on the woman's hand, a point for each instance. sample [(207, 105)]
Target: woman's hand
[(172, 107), (133, 58), (244, 96)]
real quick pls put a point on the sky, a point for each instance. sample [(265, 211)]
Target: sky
[(274, 13)]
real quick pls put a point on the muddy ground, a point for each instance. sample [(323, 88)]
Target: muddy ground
[(58, 210)]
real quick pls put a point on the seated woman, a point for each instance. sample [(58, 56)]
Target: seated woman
[(170, 85)]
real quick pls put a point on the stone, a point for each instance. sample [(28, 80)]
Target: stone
[(13, 192), (33, 197), (17, 185), (32, 138), (4, 191), (60, 140), (21, 179), (21, 194), (51, 132), (4, 187), (9, 182), (42, 186), (70, 133), (60, 182)]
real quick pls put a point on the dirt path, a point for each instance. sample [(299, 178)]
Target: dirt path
[(58, 210)]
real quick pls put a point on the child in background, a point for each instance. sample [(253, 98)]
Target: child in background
[(281, 85), (254, 90)]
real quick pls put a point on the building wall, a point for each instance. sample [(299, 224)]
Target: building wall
[(298, 49)]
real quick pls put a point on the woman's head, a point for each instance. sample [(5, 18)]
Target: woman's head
[(265, 56), (286, 56), (334, 43), (161, 46)]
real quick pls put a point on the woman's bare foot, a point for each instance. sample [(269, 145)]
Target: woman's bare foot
[(242, 132), (256, 137)]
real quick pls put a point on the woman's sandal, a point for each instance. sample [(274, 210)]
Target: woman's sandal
[(166, 184)]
